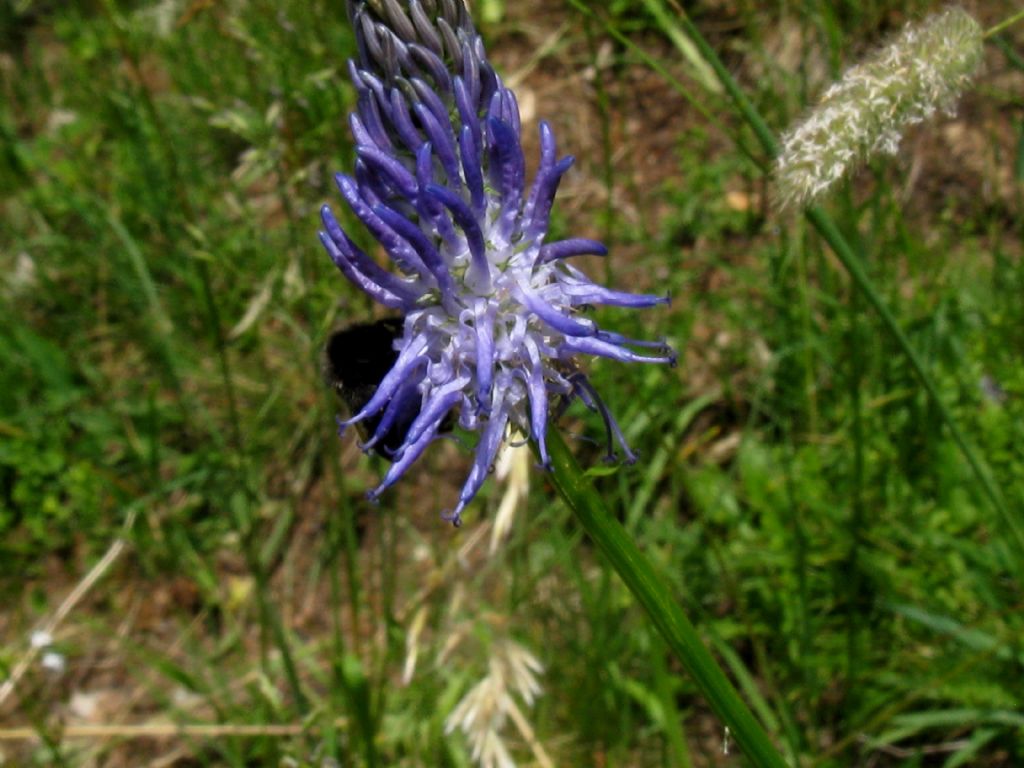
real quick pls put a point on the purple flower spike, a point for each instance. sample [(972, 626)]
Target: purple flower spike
[(493, 314)]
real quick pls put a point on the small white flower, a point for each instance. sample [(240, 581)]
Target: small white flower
[(53, 662), (40, 639)]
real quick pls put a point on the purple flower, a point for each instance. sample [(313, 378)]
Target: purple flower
[(494, 314)]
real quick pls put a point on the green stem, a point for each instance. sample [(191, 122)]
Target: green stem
[(738, 95), (656, 66), (650, 591), (830, 233), (1004, 24)]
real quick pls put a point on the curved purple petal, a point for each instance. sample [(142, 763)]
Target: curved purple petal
[(483, 326), (508, 167), (400, 251), (408, 292), (443, 143), (468, 111), (591, 293), (554, 318), (546, 186), (432, 101), (486, 452), (425, 30), (436, 406), (469, 151), (423, 246), (593, 401), (361, 281), (595, 346), (405, 459), (401, 119), (574, 246), (463, 216), (538, 402), (401, 407), (409, 360), (387, 166)]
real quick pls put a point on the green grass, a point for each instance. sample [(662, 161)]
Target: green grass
[(163, 301)]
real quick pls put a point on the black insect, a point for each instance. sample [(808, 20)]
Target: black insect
[(356, 359)]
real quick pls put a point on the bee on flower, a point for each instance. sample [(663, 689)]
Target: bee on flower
[(493, 326)]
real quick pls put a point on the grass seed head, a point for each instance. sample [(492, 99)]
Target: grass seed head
[(923, 70)]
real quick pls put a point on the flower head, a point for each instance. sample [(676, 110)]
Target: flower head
[(493, 312), (924, 69)]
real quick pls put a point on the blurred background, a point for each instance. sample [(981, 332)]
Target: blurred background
[(190, 574)]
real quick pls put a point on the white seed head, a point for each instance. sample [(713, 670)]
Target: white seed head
[(520, 670), (482, 713), (40, 639), (923, 70), (53, 662)]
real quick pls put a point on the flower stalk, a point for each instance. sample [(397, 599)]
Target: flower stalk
[(650, 591)]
